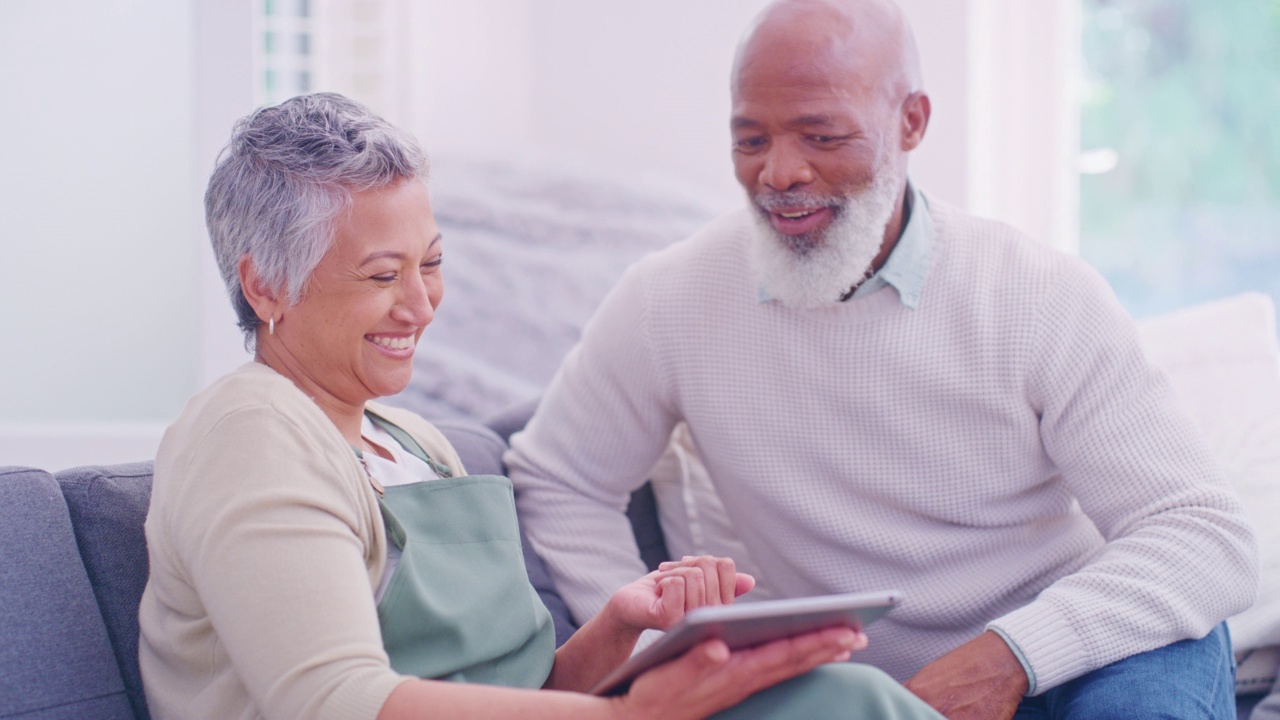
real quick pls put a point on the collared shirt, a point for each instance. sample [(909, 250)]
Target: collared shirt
[(907, 265)]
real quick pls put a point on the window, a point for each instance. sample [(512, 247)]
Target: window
[(361, 48), (1180, 162)]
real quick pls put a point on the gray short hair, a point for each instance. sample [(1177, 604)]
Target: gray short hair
[(284, 178)]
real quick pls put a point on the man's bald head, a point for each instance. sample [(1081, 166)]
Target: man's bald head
[(868, 40)]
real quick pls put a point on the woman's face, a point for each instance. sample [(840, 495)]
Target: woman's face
[(353, 334)]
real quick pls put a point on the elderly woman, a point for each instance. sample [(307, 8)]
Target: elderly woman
[(317, 555)]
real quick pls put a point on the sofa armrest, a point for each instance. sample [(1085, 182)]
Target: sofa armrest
[(108, 506), (55, 657)]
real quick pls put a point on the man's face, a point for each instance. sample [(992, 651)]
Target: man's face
[(814, 149), (808, 133)]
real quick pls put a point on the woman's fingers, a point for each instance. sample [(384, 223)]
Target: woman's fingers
[(709, 678), (783, 659)]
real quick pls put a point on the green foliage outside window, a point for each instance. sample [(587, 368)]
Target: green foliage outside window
[(1180, 184)]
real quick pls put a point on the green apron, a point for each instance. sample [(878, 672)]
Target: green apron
[(459, 605)]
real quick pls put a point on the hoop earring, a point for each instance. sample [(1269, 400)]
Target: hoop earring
[(271, 325)]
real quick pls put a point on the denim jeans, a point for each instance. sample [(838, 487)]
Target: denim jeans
[(1188, 679)]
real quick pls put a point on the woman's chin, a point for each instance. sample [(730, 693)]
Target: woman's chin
[(384, 384)]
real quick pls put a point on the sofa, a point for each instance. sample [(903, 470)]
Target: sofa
[(73, 564)]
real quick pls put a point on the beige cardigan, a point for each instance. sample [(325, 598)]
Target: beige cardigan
[(266, 544)]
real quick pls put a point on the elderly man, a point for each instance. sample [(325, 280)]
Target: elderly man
[(887, 392)]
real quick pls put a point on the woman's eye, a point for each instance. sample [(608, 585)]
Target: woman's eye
[(385, 277), (434, 262)]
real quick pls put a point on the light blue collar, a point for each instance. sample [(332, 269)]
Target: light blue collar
[(908, 264)]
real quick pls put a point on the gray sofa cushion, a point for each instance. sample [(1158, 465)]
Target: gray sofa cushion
[(56, 661), (108, 505)]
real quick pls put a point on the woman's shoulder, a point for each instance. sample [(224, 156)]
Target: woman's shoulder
[(252, 410)]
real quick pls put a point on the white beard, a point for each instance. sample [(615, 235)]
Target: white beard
[(811, 271)]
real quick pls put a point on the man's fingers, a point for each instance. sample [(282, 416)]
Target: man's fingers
[(719, 577), (694, 581), (712, 587), (726, 573)]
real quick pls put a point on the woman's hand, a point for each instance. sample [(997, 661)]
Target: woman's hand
[(659, 599), (710, 678)]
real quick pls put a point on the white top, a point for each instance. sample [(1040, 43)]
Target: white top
[(1003, 452), (405, 470)]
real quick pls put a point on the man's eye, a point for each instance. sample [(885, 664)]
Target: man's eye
[(750, 143), (821, 138)]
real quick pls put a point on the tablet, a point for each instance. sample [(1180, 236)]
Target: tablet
[(747, 624)]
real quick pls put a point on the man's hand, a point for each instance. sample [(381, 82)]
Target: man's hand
[(981, 679)]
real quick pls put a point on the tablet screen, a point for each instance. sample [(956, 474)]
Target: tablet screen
[(748, 624)]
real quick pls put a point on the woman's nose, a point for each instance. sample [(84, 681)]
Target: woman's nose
[(417, 303)]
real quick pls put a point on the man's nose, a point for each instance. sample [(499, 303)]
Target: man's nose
[(785, 168)]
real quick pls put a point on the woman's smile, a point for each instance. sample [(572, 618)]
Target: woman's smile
[(398, 346)]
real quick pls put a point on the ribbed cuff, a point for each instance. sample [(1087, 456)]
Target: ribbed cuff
[(1022, 659), (363, 695), (1045, 643)]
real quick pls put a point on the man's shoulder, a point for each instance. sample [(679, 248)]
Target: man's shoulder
[(987, 241), (727, 235), (698, 272), (955, 224)]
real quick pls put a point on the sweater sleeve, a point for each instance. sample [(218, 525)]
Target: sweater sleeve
[(1179, 555), (599, 428), (270, 526)]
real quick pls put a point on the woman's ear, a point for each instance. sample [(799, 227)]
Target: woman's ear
[(915, 120), (261, 297)]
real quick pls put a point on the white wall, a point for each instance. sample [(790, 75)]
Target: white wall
[(642, 88), (97, 204), (99, 313), (115, 109), (107, 114)]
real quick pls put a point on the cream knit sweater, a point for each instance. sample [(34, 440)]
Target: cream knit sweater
[(1003, 453), (266, 544)]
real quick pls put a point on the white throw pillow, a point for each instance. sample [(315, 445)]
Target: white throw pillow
[(1224, 360)]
